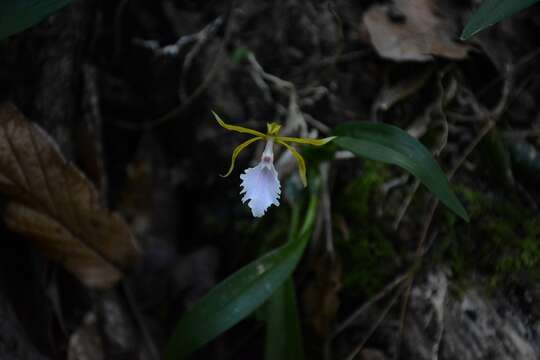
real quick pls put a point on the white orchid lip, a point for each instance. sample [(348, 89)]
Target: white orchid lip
[(260, 184)]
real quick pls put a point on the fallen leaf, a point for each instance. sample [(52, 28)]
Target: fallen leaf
[(410, 30), (55, 205)]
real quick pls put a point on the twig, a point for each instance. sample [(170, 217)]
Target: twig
[(344, 155), (478, 111), (317, 124), (406, 204), (311, 95), (438, 304), (326, 209), (171, 50), (395, 182), (443, 99), (375, 326), (149, 343), (295, 118), (201, 38), (91, 151), (179, 110), (521, 63), (368, 304), (411, 275), (501, 106), (483, 132)]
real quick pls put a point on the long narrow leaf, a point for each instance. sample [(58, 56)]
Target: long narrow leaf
[(283, 332), (17, 15), (390, 144), (491, 12), (238, 295)]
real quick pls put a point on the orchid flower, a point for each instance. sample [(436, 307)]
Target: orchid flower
[(260, 184)]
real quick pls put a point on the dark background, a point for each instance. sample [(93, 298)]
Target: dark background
[(126, 89)]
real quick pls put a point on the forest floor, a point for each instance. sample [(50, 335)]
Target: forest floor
[(126, 89)]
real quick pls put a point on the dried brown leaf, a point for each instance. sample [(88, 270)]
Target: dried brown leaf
[(412, 30), (56, 206)]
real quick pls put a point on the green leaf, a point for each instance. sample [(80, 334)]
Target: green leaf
[(239, 295), (390, 144), (491, 12), (283, 332), (18, 15)]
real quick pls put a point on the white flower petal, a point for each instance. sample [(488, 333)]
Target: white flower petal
[(261, 188)]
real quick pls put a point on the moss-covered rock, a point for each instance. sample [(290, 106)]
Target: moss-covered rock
[(501, 242)]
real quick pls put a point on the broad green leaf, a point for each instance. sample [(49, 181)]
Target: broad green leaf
[(18, 15), (390, 144), (239, 295), (491, 12), (283, 332)]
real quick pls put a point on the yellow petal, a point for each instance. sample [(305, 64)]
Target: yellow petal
[(237, 151), (273, 128), (316, 142), (299, 160), (239, 129)]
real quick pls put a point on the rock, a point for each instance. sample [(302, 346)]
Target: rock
[(445, 324)]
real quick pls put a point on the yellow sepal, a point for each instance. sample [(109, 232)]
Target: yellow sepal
[(272, 128), (236, 128), (316, 142), (237, 151), (299, 160)]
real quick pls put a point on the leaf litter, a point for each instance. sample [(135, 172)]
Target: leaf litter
[(412, 30), (51, 202)]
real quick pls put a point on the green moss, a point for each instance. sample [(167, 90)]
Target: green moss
[(362, 195), (368, 255), (369, 260), (502, 241)]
